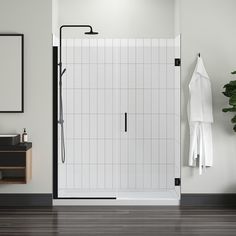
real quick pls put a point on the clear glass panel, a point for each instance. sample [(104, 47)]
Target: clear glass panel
[(105, 79)]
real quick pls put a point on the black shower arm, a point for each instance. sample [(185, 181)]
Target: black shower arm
[(74, 26), (60, 38)]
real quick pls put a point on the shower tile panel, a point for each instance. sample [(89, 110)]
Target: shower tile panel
[(93, 151), (147, 101), (170, 82), (93, 177), (62, 176), (156, 152), (155, 102), (163, 75), (131, 152), (155, 74), (131, 125), (77, 151), (77, 74), (105, 79), (70, 151), (147, 127), (70, 176), (78, 176), (131, 176), (147, 76), (131, 101)]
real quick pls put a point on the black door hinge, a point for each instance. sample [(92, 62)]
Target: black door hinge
[(177, 62), (177, 181)]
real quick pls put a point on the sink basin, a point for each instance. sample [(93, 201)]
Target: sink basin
[(9, 139)]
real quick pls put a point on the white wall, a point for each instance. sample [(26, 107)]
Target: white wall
[(208, 27), (121, 18), (55, 17), (177, 17), (33, 19)]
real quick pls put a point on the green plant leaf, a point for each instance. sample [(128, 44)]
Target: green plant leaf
[(229, 86), (229, 93), (232, 100), (232, 83), (231, 109), (226, 94), (233, 120)]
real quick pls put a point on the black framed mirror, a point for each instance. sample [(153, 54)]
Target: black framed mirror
[(11, 73)]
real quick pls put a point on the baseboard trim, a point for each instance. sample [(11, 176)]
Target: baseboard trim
[(208, 199), (38, 200), (25, 200)]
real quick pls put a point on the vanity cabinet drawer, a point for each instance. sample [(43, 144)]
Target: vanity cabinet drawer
[(12, 159)]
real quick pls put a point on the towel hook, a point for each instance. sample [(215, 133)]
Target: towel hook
[(199, 55)]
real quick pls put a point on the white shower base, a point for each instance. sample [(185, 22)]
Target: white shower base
[(123, 198)]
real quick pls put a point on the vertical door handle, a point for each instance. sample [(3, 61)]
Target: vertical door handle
[(125, 122)]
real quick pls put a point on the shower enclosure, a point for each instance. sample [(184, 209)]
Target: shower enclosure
[(121, 108)]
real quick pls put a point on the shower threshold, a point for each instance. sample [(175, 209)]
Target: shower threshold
[(123, 198)]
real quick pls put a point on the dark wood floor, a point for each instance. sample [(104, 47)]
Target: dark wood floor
[(118, 221)]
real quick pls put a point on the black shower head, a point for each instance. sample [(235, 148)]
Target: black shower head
[(91, 32)]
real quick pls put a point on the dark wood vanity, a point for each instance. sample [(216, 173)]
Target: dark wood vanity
[(16, 163)]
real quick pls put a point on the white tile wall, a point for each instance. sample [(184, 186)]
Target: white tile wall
[(106, 78)]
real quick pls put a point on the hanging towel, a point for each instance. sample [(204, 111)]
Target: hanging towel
[(200, 118)]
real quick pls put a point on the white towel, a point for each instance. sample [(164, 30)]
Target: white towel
[(200, 118)]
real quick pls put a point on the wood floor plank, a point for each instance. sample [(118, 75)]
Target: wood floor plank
[(126, 220)]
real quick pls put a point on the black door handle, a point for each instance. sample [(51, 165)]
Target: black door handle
[(125, 122)]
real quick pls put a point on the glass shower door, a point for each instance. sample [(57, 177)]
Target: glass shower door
[(121, 108), (92, 122)]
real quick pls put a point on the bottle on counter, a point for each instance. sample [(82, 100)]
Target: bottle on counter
[(24, 136)]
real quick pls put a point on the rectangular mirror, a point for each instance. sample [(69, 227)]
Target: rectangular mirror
[(11, 73)]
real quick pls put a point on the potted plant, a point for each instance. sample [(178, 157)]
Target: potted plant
[(230, 92)]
